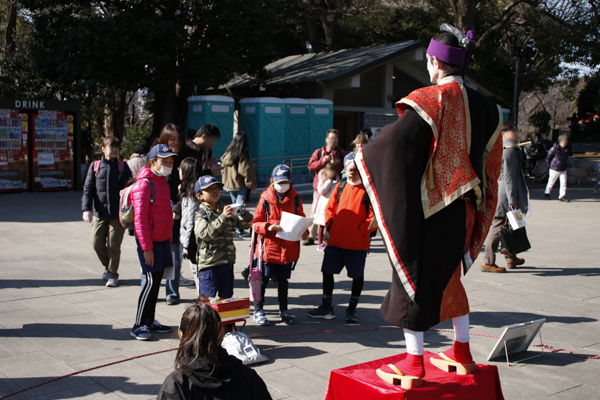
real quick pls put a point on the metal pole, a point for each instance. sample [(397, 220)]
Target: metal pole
[(516, 89)]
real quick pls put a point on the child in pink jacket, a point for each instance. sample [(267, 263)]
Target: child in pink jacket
[(151, 200)]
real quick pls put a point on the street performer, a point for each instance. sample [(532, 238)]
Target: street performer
[(432, 180)]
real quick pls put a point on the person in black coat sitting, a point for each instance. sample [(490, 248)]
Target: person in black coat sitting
[(203, 369)]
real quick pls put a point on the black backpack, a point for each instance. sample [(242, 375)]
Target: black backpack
[(366, 201)]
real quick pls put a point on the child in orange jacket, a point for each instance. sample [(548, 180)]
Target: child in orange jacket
[(278, 255), (348, 216)]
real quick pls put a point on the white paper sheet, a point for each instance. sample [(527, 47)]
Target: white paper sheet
[(293, 226)]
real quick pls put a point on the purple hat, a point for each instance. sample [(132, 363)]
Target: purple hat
[(459, 56), (447, 54)]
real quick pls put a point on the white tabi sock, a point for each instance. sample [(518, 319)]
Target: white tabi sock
[(461, 328), (414, 342)]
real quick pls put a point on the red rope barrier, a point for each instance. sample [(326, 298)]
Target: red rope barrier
[(267, 335)]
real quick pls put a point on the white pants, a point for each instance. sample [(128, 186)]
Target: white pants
[(554, 175)]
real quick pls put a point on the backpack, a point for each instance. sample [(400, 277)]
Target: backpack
[(97, 167), (267, 207), (126, 214), (366, 201)]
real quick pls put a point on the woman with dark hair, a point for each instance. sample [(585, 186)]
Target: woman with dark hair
[(204, 140), (203, 369), (239, 174), (171, 136)]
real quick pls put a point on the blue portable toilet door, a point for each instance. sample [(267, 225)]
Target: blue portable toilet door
[(321, 120), (297, 128)]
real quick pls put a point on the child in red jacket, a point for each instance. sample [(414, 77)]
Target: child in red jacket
[(278, 255), (348, 217), (153, 216)]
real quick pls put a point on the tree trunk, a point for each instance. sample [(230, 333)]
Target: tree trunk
[(465, 12), (328, 29), (114, 115), (165, 108), (12, 7)]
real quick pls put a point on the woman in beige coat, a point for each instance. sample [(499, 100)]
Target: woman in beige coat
[(239, 173)]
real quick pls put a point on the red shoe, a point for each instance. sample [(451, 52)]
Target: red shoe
[(408, 373), (458, 358), (511, 264)]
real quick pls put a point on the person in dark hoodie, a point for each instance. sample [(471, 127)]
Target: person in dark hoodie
[(203, 369)]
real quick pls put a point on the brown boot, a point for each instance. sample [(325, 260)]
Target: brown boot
[(491, 268), (512, 264)]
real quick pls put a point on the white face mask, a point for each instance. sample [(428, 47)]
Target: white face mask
[(281, 188), (164, 171)]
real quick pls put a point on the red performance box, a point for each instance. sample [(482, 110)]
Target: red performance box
[(232, 310), (361, 382)]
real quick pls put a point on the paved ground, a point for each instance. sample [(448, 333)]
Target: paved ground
[(56, 316)]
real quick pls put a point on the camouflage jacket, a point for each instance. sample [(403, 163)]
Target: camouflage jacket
[(214, 235)]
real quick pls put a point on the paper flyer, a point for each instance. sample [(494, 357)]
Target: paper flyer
[(293, 226)]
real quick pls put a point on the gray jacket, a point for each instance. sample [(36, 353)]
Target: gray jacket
[(189, 207), (512, 188)]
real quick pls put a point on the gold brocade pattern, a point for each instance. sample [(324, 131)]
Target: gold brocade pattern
[(449, 173)]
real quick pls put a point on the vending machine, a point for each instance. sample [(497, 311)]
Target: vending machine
[(52, 150), (14, 163)]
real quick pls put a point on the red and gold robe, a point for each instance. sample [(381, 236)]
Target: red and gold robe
[(432, 180)]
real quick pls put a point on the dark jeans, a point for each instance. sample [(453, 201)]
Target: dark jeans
[(282, 273)]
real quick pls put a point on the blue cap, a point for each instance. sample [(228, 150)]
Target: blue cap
[(282, 173), (205, 182), (349, 159), (161, 151)]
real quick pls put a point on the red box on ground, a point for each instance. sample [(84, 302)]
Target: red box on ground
[(361, 382)]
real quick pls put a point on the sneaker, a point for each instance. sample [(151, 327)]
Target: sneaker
[(172, 302), (260, 318), (245, 274), (157, 327), (321, 247), (186, 282), (546, 196), (351, 317), (140, 332), (112, 282), (245, 234), (286, 317), (322, 313), (105, 275), (564, 199), (237, 236), (308, 242)]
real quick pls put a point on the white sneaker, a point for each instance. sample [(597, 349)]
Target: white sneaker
[(105, 275), (186, 282), (112, 282)]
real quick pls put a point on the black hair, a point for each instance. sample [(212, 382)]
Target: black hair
[(140, 148), (209, 130), (366, 131), (449, 40), (337, 133), (191, 133), (238, 148), (191, 169), (110, 141), (201, 331)]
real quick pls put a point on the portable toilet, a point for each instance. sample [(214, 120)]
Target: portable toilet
[(297, 127), (217, 110), (321, 120), (263, 120)]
